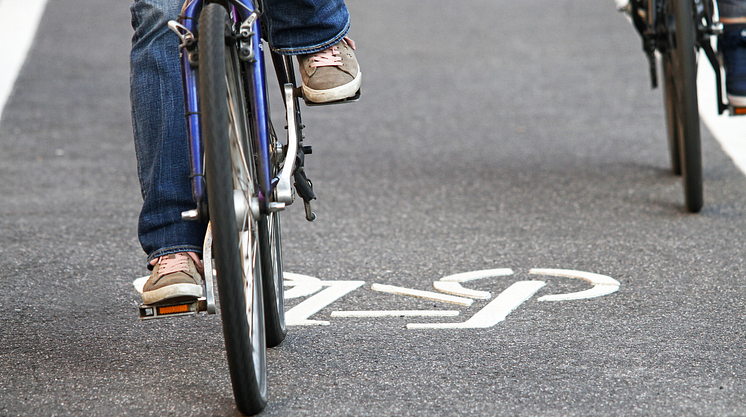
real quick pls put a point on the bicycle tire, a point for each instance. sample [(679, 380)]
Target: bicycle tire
[(672, 129), (230, 177), (271, 253), (684, 59)]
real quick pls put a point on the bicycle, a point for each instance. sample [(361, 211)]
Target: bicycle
[(676, 30), (242, 178)]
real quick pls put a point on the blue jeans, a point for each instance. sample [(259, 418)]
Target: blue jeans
[(159, 125), (732, 8)]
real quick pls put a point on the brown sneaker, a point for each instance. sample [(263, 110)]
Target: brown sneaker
[(332, 74), (175, 276)]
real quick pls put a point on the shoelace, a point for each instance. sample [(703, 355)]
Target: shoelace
[(330, 56), (178, 262), (168, 265)]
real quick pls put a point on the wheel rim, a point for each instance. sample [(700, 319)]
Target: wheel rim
[(247, 225)]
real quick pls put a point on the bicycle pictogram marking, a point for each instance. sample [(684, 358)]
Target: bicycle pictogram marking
[(451, 291)]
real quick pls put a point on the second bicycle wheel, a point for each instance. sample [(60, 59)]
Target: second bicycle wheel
[(230, 176), (684, 77), (672, 123), (271, 251)]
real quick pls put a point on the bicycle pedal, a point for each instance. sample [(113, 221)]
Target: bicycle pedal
[(183, 308), (736, 111), (353, 98)]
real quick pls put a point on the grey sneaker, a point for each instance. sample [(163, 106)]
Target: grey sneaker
[(176, 276), (332, 74)]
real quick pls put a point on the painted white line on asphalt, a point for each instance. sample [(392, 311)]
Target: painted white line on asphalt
[(452, 284), (730, 131), (396, 313), (602, 284), (494, 312), (456, 288), (422, 294), (139, 282), (470, 276), (18, 22), (302, 285), (298, 315)]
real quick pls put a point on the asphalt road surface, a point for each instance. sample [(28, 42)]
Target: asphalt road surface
[(491, 134)]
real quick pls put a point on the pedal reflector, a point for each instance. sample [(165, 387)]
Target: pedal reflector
[(155, 311), (181, 308), (738, 111)]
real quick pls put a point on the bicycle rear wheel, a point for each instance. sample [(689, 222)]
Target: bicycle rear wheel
[(669, 95), (684, 71), (230, 177), (271, 252)]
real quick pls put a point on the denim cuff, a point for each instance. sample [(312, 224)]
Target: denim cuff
[(732, 8), (315, 48), (171, 250)]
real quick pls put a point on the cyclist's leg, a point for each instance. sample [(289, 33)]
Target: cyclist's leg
[(315, 31), (732, 44), (160, 134), (304, 26)]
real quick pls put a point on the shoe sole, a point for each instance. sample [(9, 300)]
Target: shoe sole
[(337, 93), (737, 101), (171, 292)]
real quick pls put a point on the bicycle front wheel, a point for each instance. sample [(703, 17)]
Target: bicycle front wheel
[(231, 189), (684, 67)]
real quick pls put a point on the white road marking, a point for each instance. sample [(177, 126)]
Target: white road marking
[(470, 276), (452, 284), (18, 22), (422, 294), (302, 285), (139, 282), (730, 131), (456, 288), (298, 315), (396, 313), (602, 284), (494, 312)]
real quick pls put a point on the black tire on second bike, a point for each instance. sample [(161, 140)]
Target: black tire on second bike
[(271, 252), (230, 177), (669, 96), (684, 71)]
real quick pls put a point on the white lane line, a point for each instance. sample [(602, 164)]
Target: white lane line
[(452, 284), (302, 285), (494, 312), (298, 315), (139, 283), (18, 22), (396, 313), (470, 276), (422, 294), (730, 131), (602, 284), (456, 288)]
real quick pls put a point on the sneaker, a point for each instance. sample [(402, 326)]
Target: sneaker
[(332, 74), (175, 277), (732, 44)]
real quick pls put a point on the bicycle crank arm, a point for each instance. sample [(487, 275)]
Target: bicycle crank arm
[(284, 188)]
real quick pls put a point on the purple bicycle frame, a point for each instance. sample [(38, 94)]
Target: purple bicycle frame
[(255, 82)]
